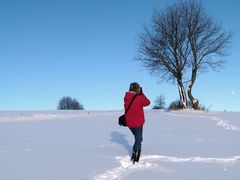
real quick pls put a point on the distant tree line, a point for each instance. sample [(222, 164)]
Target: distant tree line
[(68, 103)]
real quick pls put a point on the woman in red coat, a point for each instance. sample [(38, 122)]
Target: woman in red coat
[(135, 116)]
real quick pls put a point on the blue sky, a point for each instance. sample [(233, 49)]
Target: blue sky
[(86, 50)]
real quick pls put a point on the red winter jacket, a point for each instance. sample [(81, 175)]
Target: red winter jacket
[(135, 115)]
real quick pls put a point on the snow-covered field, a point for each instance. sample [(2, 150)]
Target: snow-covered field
[(80, 145)]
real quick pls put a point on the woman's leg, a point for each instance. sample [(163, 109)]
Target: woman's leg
[(138, 138), (137, 132)]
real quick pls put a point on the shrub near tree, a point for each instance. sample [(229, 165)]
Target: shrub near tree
[(175, 105), (67, 103)]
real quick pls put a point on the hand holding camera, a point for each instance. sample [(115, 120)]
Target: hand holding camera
[(140, 90)]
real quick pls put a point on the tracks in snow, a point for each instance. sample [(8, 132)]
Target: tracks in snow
[(152, 161), (219, 121)]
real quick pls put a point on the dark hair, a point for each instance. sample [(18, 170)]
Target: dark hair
[(135, 87)]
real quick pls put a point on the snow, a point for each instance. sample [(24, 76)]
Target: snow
[(81, 145)]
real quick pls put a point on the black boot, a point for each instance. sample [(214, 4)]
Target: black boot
[(133, 156), (137, 155)]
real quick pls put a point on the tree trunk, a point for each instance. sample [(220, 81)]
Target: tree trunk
[(183, 99), (195, 102)]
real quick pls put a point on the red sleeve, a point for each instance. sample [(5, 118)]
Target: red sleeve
[(144, 100)]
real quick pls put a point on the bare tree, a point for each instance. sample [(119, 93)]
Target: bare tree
[(163, 48), (67, 103), (181, 41), (208, 42), (160, 102)]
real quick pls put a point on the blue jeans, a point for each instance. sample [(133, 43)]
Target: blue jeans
[(137, 132)]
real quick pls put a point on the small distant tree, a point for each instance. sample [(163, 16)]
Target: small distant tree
[(160, 102), (67, 103)]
